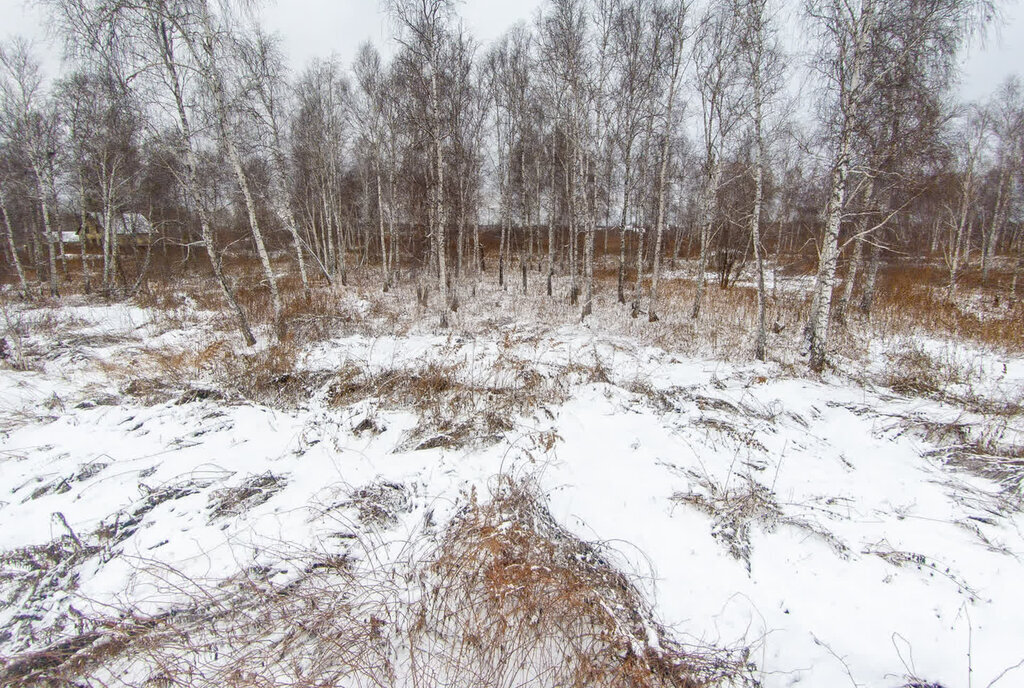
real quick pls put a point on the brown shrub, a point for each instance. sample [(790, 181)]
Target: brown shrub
[(511, 594)]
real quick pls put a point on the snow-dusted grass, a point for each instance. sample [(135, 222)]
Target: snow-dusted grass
[(697, 512)]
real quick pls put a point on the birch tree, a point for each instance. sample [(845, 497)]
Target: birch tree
[(8, 180), (208, 39), (634, 90), (149, 42), (105, 126), (423, 30), (1007, 119), (847, 32), (563, 47), (716, 81), (31, 124), (972, 141), (762, 66), (264, 69), (672, 19), (372, 114), (321, 136)]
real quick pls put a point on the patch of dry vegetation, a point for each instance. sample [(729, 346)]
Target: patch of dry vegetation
[(508, 598), (512, 598), (913, 299), (453, 409), (913, 371), (739, 505)]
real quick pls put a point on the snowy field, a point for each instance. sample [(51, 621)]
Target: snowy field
[(858, 529)]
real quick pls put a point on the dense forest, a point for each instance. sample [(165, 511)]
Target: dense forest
[(586, 152)]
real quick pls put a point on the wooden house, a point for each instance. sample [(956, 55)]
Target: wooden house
[(131, 229), (134, 229), (91, 233)]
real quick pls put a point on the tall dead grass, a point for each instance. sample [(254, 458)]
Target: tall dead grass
[(913, 299)]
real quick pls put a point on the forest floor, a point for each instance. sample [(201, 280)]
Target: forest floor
[(521, 499)]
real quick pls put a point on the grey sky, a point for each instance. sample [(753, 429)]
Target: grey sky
[(319, 28)]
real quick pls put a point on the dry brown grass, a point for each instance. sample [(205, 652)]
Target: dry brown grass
[(914, 372), (214, 367), (508, 598), (514, 598), (913, 299), (453, 410)]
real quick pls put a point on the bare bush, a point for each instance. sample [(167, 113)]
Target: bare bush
[(513, 598)]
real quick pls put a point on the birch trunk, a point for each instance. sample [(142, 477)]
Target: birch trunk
[(438, 210), (574, 290), (709, 203), (47, 230), (192, 183), (254, 226), (86, 282), (850, 78), (285, 213), (867, 297), (22, 282), (108, 231), (858, 253), (385, 274), (761, 337), (551, 226), (817, 334), (991, 238), (528, 234), (624, 218), (588, 246), (959, 229), (659, 228)]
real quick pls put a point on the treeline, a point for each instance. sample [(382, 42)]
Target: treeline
[(624, 133)]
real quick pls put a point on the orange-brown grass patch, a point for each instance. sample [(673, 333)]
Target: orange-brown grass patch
[(268, 376), (513, 596), (915, 299)]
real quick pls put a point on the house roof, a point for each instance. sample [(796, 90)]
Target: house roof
[(134, 223)]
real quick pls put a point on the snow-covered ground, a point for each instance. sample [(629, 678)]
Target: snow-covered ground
[(844, 532)]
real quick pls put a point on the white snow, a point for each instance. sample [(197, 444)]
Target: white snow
[(865, 559)]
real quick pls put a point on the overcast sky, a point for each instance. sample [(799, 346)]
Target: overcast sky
[(318, 28)]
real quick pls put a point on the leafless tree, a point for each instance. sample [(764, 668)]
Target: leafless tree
[(971, 144), (321, 136), (762, 66), (266, 76), (7, 183), (209, 40), (157, 46), (848, 33), (104, 127), (31, 123), (634, 90), (670, 18), (564, 31), (424, 30), (466, 115), (372, 113), (1007, 120), (718, 83)]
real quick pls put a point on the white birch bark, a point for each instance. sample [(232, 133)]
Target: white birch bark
[(9, 232)]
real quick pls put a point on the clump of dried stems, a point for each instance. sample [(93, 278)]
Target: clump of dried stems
[(506, 598)]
